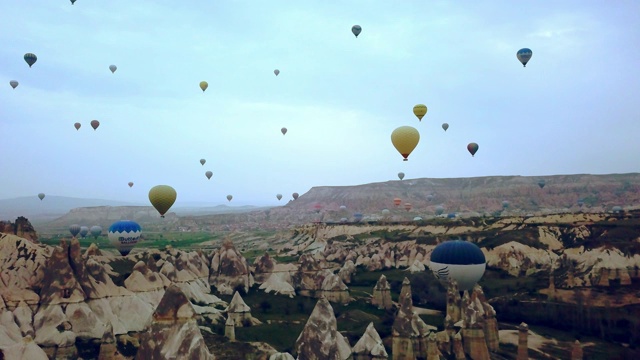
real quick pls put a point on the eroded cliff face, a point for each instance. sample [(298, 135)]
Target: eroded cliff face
[(21, 228)]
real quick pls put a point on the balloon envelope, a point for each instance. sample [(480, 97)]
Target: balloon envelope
[(357, 216), (77, 126), (84, 231), (445, 126), (408, 206), (13, 83), (229, 197), (162, 198), (439, 209), (420, 110), (343, 207), (505, 204), (524, 55), (96, 231), (113, 68), (284, 131), (208, 174), (204, 85), (541, 183), (279, 196), (41, 196), (386, 212), (356, 30), (74, 230), (405, 139), (473, 148), (397, 201), (202, 161), (295, 196), (30, 58), (124, 235), (73, 2), (276, 71), (95, 124), (459, 260), (130, 184), (401, 175)]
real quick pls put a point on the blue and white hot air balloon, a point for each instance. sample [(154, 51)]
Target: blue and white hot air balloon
[(524, 55), (459, 260), (124, 235)]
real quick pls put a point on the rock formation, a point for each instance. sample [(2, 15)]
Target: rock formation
[(263, 268), (409, 331), (320, 339), (229, 270), (240, 312), (21, 228), (370, 346), (576, 351), (334, 290), (230, 329), (382, 294), (523, 342), (173, 330), (24, 349), (279, 283)]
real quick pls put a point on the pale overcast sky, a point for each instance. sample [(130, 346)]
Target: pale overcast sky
[(573, 109)]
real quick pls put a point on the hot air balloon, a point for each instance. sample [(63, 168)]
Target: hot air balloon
[(386, 212), (616, 209), (283, 130), (113, 68), (445, 126), (419, 111), (459, 260), (279, 196), (13, 83), (84, 230), (73, 2), (202, 161), (124, 235), (30, 58), (276, 71), (130, 184), (343, 207), (162, 198), (357, 217), (229, 197), (473, 148), (317, 207), (41, 196), (505, 204), (96, 231), (417, 218), (408, 206), (542, 183), (208, 174), (401, 175), (295, 196), (429, 197), (74, 230), (405, 139), (397, 201), (580, 202), (204, 85), (95, 124), (77, 126), (439, 209), (524, 55), (343, 220), (356, 30)]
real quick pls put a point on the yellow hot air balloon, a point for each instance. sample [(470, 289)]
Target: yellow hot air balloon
[(204, 85), (162, 198), (420, 110), (405, 139)]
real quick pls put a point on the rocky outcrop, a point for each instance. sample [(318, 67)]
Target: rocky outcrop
[(21, 228), (240, 312), (334, 290), (523, 342), (311, 274), (173, 330), (24, 349), (370, 346), (347, 271), (320, 339), (279, 283), (409, 331), (229, 270), (263, 267), (382, 294)]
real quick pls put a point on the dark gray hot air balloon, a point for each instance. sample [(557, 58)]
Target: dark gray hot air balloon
[(84, 230), (74, 230), (96, 231), (356, 30)]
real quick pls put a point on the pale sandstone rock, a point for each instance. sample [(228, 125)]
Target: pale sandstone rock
[(320, 339)]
